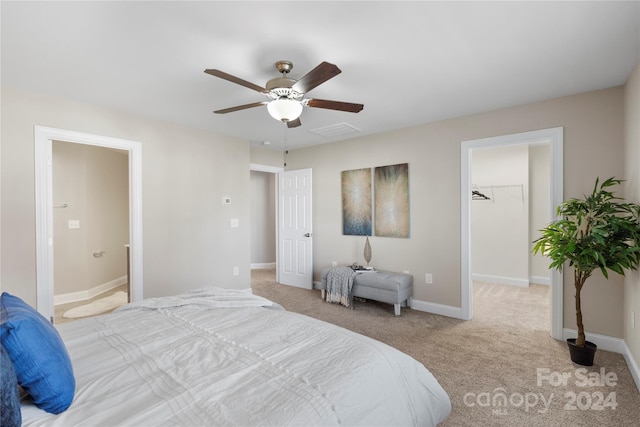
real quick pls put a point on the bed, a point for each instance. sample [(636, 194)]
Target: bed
[(216, 357)]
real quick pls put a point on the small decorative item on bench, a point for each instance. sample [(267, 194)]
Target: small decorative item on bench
[(359, 268)]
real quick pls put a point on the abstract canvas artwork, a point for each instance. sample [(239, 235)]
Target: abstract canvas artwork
[(356, 202), (391, 195)]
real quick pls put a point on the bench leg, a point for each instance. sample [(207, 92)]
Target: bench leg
[(322, 291), (396, 309)]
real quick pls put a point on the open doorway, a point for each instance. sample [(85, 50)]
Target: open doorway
[(90, 229), (553, 137), (264, 222), (293, 221), (43, 140), (509, 203)]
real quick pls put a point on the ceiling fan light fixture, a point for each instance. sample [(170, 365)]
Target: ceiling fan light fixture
[(284, 109), (287, 96)]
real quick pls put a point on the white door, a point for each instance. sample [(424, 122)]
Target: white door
[(295, 241)]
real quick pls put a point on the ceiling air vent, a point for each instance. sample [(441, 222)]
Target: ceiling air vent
[(339, 129)]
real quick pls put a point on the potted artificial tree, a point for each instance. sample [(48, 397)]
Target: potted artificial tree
[(600, 231)]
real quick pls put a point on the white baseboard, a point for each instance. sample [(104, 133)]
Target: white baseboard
[(441, 309), (88, 293), (632, 364), (263, 265), (616, 345), (604, 342), (540, 280), (511, 281)]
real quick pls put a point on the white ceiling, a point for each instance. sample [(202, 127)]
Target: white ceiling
[(407, 62)]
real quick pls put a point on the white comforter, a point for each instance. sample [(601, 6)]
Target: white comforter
[(186, 363)]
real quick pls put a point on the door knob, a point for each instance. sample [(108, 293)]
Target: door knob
[(307, 235)]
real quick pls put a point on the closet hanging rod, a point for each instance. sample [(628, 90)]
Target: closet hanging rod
[(492, 187), (498, 186)]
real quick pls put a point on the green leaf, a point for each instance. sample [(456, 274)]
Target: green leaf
[(599, 231)]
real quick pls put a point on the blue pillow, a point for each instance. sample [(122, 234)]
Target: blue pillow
[(39, 357), (10, 415)]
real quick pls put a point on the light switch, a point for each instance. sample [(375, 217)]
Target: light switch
[(235, 223), (74, 224)]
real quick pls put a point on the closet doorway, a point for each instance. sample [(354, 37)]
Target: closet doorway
[(554, 138), (509, 203)]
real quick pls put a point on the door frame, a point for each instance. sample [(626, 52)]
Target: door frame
[(274, 170), (553, 136), (43, 137)]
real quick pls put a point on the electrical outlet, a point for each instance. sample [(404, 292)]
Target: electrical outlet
[(428, 278), (236, 270), (334, 263), (73, 224)]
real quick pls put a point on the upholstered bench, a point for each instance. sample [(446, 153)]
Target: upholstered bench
[(384, 286)]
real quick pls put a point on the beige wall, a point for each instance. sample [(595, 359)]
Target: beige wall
[(632, 175), (500, 226), (593, 146), (188, 241), (267, 157), (94, 184), (539, 208)]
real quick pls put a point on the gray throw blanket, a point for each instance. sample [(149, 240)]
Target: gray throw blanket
[(339, 284)]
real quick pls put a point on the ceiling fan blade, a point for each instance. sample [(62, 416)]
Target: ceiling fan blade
[(236, 80), (316, 77), (239, 107), (335, 105), (294, 123)]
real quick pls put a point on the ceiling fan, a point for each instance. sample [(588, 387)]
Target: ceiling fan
[(287, 96)]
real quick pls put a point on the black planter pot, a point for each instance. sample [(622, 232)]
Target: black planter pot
[(582, 355)]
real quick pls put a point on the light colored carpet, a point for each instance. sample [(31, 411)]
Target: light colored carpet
[(98, 306), (506, 350)]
